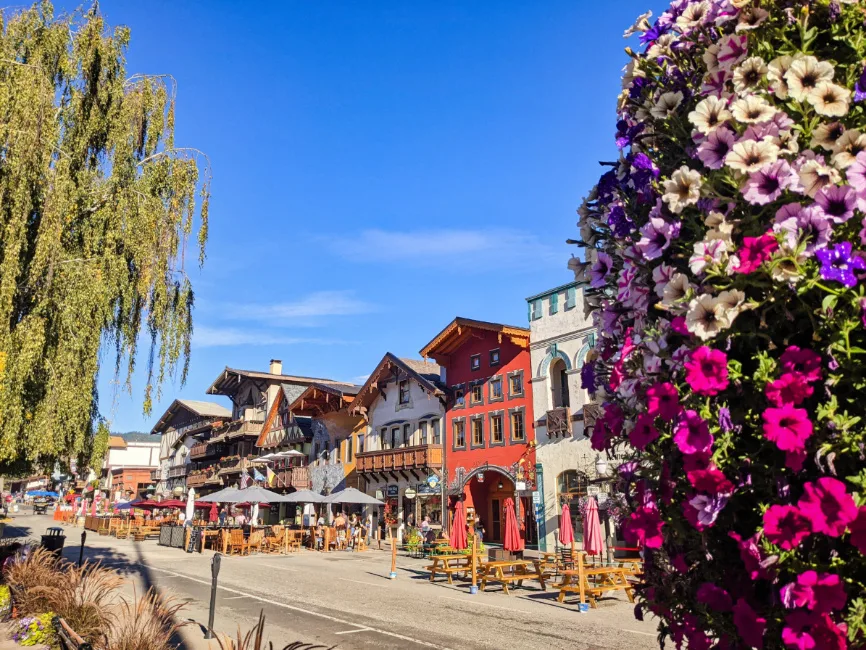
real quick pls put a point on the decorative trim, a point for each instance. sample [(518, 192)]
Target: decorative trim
[(511, 438), (548, 359), (454, 445), (472, 420), (522, 393), (490, 398), (500, 414)]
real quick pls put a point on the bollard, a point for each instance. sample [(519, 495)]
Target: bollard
[(214, 570), (474, 588), (81, 550), (393, 574)]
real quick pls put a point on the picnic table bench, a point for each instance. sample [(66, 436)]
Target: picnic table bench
[(143, 532), (509, 571), (448, 565), (592, 582)]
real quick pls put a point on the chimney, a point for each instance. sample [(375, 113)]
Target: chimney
[(276, 367)]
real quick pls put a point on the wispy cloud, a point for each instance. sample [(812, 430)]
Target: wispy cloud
[(205, 336), (306, 311), (494, 249)]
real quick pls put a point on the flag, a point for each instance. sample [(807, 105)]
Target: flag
[(271, 476), (245, 480), (257, 475)]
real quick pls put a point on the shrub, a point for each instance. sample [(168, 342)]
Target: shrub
[(147, 623), (27, 573), (725, 267), (85, 597)]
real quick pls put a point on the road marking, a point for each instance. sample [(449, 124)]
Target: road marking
[(625, 629), (363, 629), (361, 582), (281, 568), (309, 612), (233, 597)]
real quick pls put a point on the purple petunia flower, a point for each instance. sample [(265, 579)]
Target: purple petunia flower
[(725, 423), (796, 222), (860, 87), (656, 237), (708, 507), (587, 377), (837, 202), (599, 270), (713, 150), (838, 264), (767, 184)]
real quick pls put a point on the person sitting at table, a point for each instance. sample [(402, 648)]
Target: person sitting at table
[(320, 536), (240, 519), (223, 516)]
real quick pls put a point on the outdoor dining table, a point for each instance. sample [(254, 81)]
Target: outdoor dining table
[(508, 571), (448, 564), (594, 581)]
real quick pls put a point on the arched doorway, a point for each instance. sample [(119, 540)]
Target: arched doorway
[(557, 372), (571, 487), (485, 491)]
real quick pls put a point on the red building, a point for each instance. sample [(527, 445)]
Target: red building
[(489, 436)]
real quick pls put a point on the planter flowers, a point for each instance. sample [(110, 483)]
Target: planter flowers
[(726, 270)]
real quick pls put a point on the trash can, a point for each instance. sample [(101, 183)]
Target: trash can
[(53, 541)]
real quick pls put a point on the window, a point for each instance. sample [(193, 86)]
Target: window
[(477, 394), (497, 436), (477, 432), (570, 298), (422, 433), (554, 303), (475, 362), (349, 449), (395, 437), (571, 487), (316, 449), (385, 442), (404, 391), (494, 357), (459, 433), (535, 309), (407, 435), (360, 443), (437, 435), (518, 431), (459, 397), (515, 384), (496, 389)]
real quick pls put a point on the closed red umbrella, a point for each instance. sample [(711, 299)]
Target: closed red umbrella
[(213, 515), (592, 542), (458, 527), (512, 542), (566, 530)]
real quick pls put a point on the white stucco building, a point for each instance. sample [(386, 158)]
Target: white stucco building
[(560, 338)]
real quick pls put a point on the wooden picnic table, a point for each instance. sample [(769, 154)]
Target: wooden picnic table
[(141, 533), (508, 571), (449, 564), (592, 582)]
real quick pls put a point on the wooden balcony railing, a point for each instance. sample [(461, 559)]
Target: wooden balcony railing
[(196, 480), (155, 475), (387, 460), (206, 449), (177, 471), (558, 421), (246, 428), (294, 477), (234, 466)]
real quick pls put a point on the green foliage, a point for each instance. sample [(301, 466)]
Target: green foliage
[(96, 208), (35, 630)]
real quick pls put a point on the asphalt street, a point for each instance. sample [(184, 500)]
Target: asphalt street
[(346, 600)]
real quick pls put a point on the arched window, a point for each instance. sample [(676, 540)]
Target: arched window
[(571, 487), (559, 384)]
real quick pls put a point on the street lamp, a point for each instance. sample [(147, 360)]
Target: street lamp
[(600, 465)]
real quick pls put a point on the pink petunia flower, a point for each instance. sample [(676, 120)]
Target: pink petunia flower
[(828, 506), (644, 432), (767, 184), (750, 626), (788, 427), (812, 631), (679, 326), (707, 371), (821, 593), (714, 597), (789, 389), (757, 566), (692, 434), (755, 251), (663, 401), (836, 202), (713, 150), (858, 531), (711, 480), (785, 526), (644, 528), (803, 360)]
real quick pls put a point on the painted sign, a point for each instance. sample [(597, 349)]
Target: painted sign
[(392, 490), (409, 493), (536, 497), (433, 481)]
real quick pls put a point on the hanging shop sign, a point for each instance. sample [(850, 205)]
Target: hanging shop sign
[(392, 490), (433, 481), (409, 493)]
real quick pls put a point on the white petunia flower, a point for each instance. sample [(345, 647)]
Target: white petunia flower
[(829, 99), (707, 252), (682, 189), (641, 25), (826, 135), (662, 46), (805, 74), (848, 146), (676, 289), (749, 75), (750, 155), (706, 317), (776, 71), (666, 105), (710, 114), (694, 15), (711, 57), (751, 18), (752, 110), (814, 175)]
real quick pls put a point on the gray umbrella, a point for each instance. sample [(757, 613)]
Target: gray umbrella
[(250, 494), (302, 496), (220, 496), (351, 495)]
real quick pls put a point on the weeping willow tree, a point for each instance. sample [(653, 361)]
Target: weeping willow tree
[(97, 209)]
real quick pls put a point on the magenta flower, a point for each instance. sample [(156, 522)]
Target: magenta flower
[(644, 432), (692, 434), (767, 184), (839, 264), (785, 526), (644, 528), (601, 436), (858, 531), (710, 480), (805, 361), (707, 371), (790, 389), (821, 593), (757, 566), (714, 597), (812, 631), (837, 202), (713, 150), (663, 401), (788, 427), (749, 625), (828, 506), (755, 251)]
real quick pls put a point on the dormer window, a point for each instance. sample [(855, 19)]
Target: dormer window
[(404, 391)]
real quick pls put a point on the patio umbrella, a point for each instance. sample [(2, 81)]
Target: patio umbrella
[(592, 530), (254, 515), (123, 506), (190, 505), (458, 527), (351, 495), (512, 541), (220, 496), (566, 530), (302, 496), (213, 515), (93, 507), (172, 503), (252, 494)]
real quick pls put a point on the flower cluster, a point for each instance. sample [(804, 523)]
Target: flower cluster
[(725, 267), (34, 630)]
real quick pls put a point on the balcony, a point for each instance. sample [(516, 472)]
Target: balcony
[(205, 450), (155, 475), (177, 471), (406, 458), (244, 428), (558, 422), (234, 466), (293, 477)]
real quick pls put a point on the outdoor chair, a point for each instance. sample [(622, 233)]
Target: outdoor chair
[(255, 541), (296, 539), (237, 543), (274, 542)]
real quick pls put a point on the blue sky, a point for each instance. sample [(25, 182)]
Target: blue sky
[(378, 168)]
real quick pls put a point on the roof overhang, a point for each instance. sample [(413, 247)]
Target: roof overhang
[(460, 330), (318, 399)]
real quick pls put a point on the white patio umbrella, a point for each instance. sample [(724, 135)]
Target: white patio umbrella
[(351, 495), (302, 496), (190, 505), (254, 515), (220, 496)]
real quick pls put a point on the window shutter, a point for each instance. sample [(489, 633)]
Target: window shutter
[(529, 311), (570, 297), (554, 303)]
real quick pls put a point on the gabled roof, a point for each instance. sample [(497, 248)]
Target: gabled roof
[(116, 442), (387, 366), (317, 399), (458, 331), (231, 377), (138, 436), (196, 407)]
